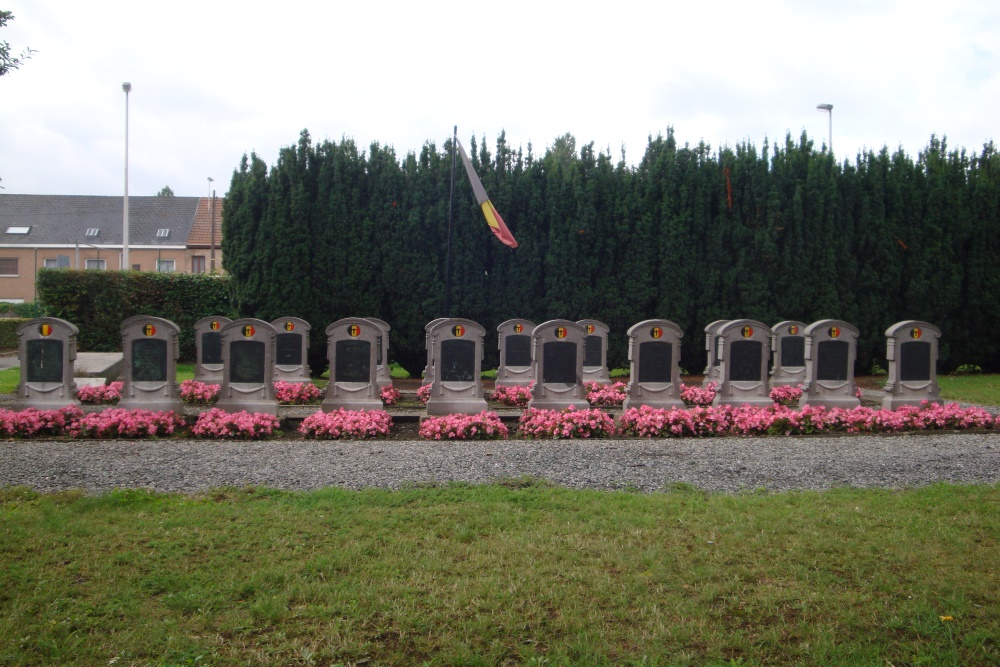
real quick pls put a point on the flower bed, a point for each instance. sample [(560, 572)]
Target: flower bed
[(390, 395), (105, 394), (347, 424), (216, 423), (424, 393), (483, 426), (517, 396), (297, 393), (693, 395), (605, 394), (568, 423), (199, 393), (121, 423)]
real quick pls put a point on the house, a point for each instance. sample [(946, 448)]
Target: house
[(83, 232)]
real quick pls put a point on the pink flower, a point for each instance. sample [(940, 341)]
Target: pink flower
[(296, 393), (216, 423), (390, 395), (108, 393), (483, 426), (424, 393), (692, 395), (515, 396), (347, 424), (201, 393)]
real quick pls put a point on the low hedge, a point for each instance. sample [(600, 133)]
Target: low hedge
[(8, 332)]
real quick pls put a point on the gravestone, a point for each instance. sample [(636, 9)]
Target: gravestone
[(248, 352), (457, 352), (382, 375), (595, 351), (742, 352), (46, 348), (149, 355), (831, 349), (788, 354), (514, 340), (712, 370), (558, 362), (208, 347), (428, 375), (654, 349), (291, 349), (912, 353), (352, 348)]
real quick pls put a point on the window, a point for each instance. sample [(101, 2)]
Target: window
[(93, 231), (162, 233), (136, 267), (8, 266), (18, 230), (51, 263), (165, 265), (198, 264), (95, 264)]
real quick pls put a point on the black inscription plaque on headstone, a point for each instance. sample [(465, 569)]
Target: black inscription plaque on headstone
[(915, 362), (793, 351), (559, 362), (45, 361), (149, 360), (593, 349), (211, 347), (353, 361), (744, 361), (246, 361), (655, 357), (518, 350), (831, 360), (288, 349), (458, 361)]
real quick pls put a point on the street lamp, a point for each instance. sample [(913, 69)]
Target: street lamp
[(127, 87), (210, 179), (829, 109)]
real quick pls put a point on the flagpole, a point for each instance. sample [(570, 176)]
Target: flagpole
[(451, 208)]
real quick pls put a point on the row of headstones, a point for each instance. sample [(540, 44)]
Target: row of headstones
[(820, 357), (245, 356)]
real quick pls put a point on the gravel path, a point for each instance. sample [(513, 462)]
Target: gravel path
[(723, 464)]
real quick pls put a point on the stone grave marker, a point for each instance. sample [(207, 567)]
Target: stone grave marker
[(46, 348), (382, 375), (595, 351), (831, 349), (788, 352), (352, 348), (712, 370), (150, 349), (654, 350), (912, 353), (428, 377), (291, 349), (457, 353), (208, 347), (248, 367), (514, 340), (743, 347), (558, 363)]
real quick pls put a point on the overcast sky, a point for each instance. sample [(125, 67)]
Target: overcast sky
[(214, 80)]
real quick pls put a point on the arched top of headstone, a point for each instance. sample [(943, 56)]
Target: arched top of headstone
[(511, 327), (380, 323), (456, 327), (295, 325), (365, 328), (713, 326), (832, 330), (915, 329), (549, 329), (249, 328), (789, 328), (52, 322), (646, 329), (206, 322), (747, 329), (150, 326), (594, 327)]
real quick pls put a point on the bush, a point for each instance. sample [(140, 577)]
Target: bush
[(105, 393), (484, 426), (605, 394), (297, 393), (121, 423), (516, 396), (346, 424), (242, 425), (568, 423), (97, 302), (8, 331), (199, 393)]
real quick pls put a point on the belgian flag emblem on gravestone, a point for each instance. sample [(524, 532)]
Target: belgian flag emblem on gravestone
[(45, 329), (249, 331), (458, 330), (590, 328), (747, 332), (354, 331), (916, 332), (834, 332), (289, 326), (793, 329), (214, 326), (518, 328), (656, 332), (149, 330), (560, 332)]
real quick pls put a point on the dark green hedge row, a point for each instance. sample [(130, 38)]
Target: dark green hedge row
[(97, 302), (8, 332)]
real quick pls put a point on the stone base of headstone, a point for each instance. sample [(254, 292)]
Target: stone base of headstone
[(658, 396), (787, 381), (351, 396), (893, 401), (515, 381), (90, 382), (597, 374), (438, 407), (557, 398), (165, 405), (46, 396), (844, 402), (248, 400)]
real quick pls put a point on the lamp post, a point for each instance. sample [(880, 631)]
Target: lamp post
[(211, 202), (127, 87), (829, 109)]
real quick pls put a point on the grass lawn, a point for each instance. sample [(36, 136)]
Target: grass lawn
[(516, 573), (981, 389)]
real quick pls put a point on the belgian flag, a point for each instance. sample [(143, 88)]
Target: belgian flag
[(493, 218)]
